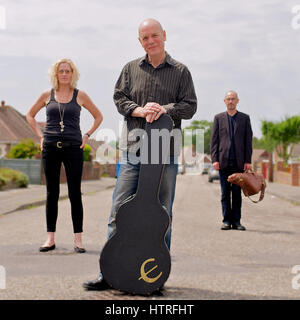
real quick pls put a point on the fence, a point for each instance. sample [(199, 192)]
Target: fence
[(31, 167), (35, 173)]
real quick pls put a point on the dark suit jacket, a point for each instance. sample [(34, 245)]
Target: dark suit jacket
[(220, 140)]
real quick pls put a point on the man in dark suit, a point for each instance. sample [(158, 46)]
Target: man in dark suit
[(231, 151)]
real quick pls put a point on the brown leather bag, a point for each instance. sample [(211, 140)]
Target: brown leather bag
[(250, 182)]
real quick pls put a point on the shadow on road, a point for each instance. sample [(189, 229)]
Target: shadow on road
[(272, 232), (176, 293)]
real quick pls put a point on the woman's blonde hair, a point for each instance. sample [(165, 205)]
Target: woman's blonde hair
[(54, 69)]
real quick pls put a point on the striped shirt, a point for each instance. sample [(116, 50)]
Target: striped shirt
[(170, 85)]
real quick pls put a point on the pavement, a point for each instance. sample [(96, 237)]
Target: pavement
[(285, 192), (35, 195)]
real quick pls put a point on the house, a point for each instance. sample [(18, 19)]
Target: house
[(103, 152), (94, 144), (259, 155), (106, 154), (295, 155), (13, 128)]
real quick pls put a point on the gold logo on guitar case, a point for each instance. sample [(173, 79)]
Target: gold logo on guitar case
[(144, 275)]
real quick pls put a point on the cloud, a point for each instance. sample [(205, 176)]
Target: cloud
[(246, 46)]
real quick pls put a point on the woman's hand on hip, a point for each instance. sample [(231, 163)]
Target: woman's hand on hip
[(85, 138), (41, 143)]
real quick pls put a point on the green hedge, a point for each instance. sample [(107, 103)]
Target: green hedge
[(9, 175), (26, 149), (87, 153), (3, 181)]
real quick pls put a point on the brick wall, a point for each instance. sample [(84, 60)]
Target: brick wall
[(295, 174), (282, 177), (108, 169), (289, 175)]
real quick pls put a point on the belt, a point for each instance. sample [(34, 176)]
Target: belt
[(61, 144)]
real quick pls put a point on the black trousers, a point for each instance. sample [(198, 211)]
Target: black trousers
[(231, 197), (72, 158)]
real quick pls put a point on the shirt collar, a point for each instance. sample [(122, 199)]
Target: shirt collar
[(232, 117), (167, 60)]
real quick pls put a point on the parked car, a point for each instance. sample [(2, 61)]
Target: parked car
[(213, 174)]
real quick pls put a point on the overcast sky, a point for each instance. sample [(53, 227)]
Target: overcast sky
[(247, 46)]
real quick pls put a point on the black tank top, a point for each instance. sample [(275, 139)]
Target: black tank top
[(71, 120)]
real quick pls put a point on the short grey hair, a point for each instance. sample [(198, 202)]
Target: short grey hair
[(232, 91)]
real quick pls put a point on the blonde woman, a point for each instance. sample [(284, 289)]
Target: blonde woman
[(62, 142)]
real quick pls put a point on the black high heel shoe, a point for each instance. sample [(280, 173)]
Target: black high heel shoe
[(46, 249), (79, 250)]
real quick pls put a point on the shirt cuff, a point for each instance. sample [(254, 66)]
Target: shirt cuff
[(130, 109), (170, 109)]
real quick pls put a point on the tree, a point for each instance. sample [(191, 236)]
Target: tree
[(197, 142), (269, 143), (258, 143), (287, 133), (282, 136)]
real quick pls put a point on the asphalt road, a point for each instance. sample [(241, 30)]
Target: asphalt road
[(207, 263)]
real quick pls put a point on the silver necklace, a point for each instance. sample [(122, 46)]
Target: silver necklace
[(61, 114)]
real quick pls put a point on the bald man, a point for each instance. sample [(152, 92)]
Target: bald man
[(147, 88), (231, 151)]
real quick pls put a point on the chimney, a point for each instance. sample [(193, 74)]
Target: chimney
[(2, 104)]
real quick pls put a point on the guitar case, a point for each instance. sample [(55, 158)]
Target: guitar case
[(136, 258)]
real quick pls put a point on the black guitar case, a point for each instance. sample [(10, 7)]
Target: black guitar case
[(136, 259)]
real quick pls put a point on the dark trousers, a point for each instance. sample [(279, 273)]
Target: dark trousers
[(72, 158), (231, 198)]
